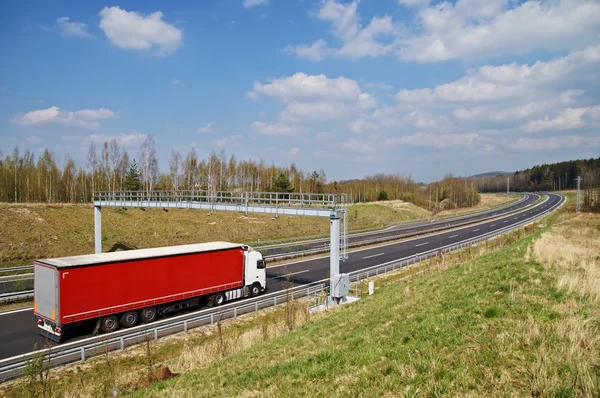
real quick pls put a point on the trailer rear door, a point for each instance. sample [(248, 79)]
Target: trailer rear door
[(45, 285)]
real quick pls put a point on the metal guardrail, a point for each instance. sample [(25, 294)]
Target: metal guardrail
[(16, 269), (6, 297), (119, 340), (80, 350)]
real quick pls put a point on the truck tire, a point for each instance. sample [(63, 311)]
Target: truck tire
[(148, 314), (255, 289), (109, 324), (218, 299), (130, 319)]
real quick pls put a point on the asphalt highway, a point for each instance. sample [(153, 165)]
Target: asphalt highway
[(18, 333), (410, 228)]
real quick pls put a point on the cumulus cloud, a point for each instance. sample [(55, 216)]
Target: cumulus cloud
[(493, 83), (465, 29), (568, 119), (208, 129), (309, 87), (480, 28), (294, 151), (72, 29), (130, 30), (254, 3), (317, 51), (88, 118), (357, 41), (312, 98)]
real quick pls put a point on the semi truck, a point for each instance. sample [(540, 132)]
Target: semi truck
[(122, 289)]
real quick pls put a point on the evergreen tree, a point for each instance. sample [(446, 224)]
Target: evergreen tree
[(132, 178), (282, 184)]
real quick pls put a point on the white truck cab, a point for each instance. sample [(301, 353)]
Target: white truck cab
[(255, 273)]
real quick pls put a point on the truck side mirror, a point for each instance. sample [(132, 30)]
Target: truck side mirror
[(261, 264)]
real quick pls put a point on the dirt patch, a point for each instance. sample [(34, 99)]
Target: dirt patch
[(26, 214)]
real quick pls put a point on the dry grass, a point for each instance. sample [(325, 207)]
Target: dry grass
[(31, 231), (488, 200), (573, 249)]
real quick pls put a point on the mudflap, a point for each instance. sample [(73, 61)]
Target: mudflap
[(48, 335)]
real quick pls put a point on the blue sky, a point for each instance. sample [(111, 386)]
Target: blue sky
[(397, 86)]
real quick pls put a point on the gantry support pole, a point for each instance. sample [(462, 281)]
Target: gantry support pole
[(334, 247), (97, 229)]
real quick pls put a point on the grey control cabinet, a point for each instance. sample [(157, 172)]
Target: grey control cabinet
[(340, 285)]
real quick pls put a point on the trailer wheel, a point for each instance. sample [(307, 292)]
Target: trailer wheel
[(148, 314), (218, 299), (255, 290), (109, 324), (130, 319)]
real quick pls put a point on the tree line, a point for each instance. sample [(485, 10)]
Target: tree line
[(552, 177), (109, 167)]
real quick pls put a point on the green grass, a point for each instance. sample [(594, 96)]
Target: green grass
[(488, 327)]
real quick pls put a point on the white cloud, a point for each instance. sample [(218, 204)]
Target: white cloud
[(309, 87), (294, 151), (316, 51), (133, 31), (465, 140), (308, 112), (84, 118), (356, 145), (177, 83), (72, 29), (493, 83), (229, 141), (267, 128), (208, 129), (254, 3), (569, 141), (480, 28), (126, 140), (568, 118), (358, 41)]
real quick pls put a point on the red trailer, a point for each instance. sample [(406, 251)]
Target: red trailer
[(124, 288)]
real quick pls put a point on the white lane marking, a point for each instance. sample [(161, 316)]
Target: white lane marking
[(475, 230), (15, 311), (421, 244), (293, 273), (374, 255), (453, 236), (493, 225), (505, 221)]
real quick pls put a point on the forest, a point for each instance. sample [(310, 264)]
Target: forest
[(552, 177), (109, 167)]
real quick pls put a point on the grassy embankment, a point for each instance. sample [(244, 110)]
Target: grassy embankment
[(522, 321), (31, 231)]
